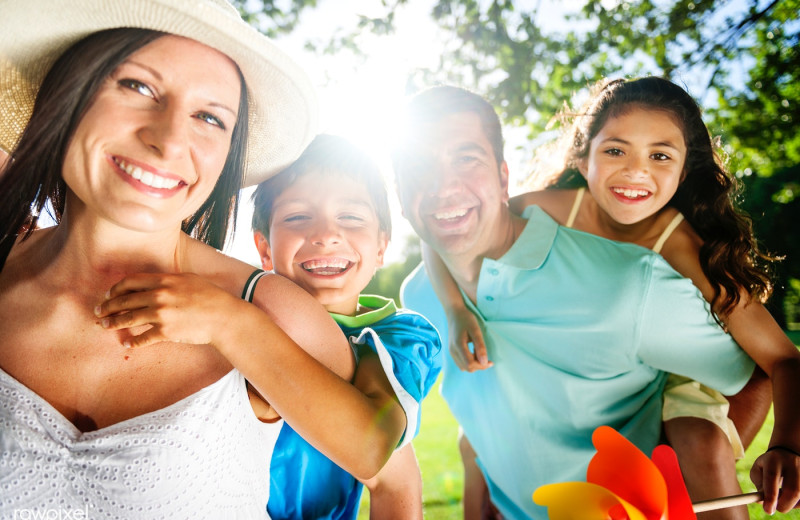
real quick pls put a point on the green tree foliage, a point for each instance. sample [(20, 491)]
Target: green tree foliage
[(739, 58)]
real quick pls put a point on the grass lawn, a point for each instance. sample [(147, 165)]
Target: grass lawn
[(441, 465)]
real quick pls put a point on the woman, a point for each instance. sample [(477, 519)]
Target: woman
[(137, 139)]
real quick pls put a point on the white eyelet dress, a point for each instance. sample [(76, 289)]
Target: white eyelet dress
[(206, 456)]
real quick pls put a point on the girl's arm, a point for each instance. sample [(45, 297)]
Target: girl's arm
[(356, 430), (462, 325), (757, 332), (395, 493)]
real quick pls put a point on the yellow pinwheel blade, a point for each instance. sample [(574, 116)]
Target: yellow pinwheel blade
[(584, 501)]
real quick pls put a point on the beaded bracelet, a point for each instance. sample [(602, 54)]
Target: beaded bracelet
[(784, 448)]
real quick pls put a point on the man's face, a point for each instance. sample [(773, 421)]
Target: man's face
[(451, 188)]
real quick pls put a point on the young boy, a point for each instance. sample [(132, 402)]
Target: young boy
[(324, 223)]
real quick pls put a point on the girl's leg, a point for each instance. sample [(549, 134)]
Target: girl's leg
[(707, 463)]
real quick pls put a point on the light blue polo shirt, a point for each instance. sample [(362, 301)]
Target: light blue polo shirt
[(582, 331)]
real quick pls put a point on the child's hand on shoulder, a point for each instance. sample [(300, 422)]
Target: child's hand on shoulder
[(179, 308)]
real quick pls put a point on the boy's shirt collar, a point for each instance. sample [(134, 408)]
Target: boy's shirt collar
[(379, 306)]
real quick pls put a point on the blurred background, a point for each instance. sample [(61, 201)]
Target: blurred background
[(740, 59)]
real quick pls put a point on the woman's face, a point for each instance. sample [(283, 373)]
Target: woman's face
[(155, 138)]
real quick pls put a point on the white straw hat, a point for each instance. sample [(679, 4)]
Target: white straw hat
[(282, 102)]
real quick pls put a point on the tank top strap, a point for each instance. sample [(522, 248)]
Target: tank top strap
[(575, 207), (250, 286), (676, 220)]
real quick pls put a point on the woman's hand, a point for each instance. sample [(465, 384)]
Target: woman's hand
[(181, 308), (464, 329), (776, 473)]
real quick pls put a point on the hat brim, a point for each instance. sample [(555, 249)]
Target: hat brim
[(282, 102)]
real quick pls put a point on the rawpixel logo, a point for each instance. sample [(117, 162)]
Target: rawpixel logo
[(52, 514)]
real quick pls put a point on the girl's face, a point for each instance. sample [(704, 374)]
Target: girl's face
[(635, 164), (155, 138), (325, 237)]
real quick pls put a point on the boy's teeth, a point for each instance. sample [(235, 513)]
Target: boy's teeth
[(326, 266), (444, 215), (147, 178)]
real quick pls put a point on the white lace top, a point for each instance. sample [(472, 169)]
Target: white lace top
[(206, 456)]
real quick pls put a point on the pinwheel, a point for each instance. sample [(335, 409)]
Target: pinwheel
[(623, 484)]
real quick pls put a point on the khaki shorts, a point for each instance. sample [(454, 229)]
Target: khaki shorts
[(686, 398)]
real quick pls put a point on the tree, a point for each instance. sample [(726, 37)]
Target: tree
[(740, 59)]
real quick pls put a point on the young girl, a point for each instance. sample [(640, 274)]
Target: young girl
[(655, 180)]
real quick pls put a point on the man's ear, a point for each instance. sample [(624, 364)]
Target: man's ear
[(504, 180), (263, 250)]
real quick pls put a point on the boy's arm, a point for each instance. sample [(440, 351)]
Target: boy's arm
[(396, 491), (757, 332), (462, 325), (356, 425)]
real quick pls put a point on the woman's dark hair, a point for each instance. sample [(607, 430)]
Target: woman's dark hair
[(32, 176), (730, 257)]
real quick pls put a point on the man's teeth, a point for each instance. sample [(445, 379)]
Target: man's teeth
[(632, 194), (444, 215), (148, 178), (326, 266)]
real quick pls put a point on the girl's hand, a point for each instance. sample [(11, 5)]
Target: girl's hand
[(181, 308), (775, 471), (464, 329)]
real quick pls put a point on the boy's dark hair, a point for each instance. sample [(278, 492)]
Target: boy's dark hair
[(730, 257), (32, 175), (329, 155)]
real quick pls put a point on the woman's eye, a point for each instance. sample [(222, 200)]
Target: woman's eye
[(613, 152), (660, 156), (137, 86), (210, 119)]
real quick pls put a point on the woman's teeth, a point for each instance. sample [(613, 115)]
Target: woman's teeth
[(146, 177)]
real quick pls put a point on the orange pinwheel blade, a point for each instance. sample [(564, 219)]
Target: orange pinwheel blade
[(584, 501), (623, 469), (678, 502)]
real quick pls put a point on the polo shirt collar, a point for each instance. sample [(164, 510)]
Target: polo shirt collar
[(534, 243), (379, 306)]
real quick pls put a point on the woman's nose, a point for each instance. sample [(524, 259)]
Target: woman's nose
[(167, 133)]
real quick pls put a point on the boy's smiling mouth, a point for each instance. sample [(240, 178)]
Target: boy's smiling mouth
[(327, 266)]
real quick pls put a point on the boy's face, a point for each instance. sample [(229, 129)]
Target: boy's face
[(325, 237)]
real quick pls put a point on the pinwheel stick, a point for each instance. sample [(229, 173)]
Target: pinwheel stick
[(731, 501)]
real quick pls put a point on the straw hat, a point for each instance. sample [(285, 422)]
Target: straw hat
[(283, 109)]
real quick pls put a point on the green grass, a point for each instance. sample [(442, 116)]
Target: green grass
[(442, 478)]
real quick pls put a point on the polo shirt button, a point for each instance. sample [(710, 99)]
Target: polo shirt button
[(489, 299), (493, 271)]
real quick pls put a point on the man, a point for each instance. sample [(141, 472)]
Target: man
[(579, 330)]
